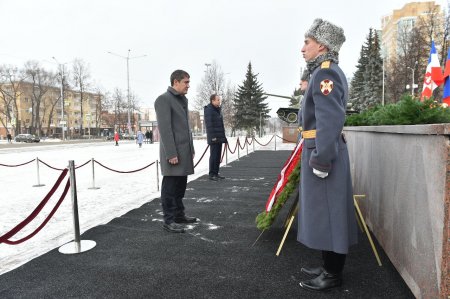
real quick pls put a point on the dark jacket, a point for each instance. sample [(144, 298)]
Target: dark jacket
[(175, 134), (215, 130), (327, 216)]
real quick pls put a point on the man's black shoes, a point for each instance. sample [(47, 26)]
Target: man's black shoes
[(173, 227), (216, 177), (323, 282), (186, 219), (313, 272)]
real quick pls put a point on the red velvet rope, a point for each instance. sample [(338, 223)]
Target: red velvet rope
[(21, 225), (18, 164), (201, 156), (60, 169), (284, 139), (266, 143), (131, 171), (76, 167), (55, 208), (242, 147), (235, 148), (249, 142)]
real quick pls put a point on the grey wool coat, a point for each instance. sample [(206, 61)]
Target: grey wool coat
[(326, 215), (175, 134)]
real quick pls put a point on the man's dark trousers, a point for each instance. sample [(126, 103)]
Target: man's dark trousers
[(172, 193), (215, 150)]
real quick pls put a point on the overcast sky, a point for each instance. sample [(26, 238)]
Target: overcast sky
[(185, 35)]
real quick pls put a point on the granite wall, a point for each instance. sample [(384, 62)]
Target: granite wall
[(405, 173)]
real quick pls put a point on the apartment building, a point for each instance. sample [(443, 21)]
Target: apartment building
[(20, 111), (396, 26)]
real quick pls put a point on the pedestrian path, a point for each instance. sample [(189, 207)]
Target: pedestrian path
[(136, 258)]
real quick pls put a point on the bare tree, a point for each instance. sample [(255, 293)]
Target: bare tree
[(11, 79), (81, 76), (228, 111), (413, 48), (100, 104), (119, 106), (41, 81), (212, 82)]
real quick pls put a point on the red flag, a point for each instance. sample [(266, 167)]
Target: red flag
[(287, 169), (433, 74)]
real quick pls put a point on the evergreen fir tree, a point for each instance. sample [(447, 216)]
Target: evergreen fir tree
[(249, 103), (374, 73), (356, 92), (296, 96)]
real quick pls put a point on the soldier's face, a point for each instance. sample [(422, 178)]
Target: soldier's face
[(181, 86), (311, 49)]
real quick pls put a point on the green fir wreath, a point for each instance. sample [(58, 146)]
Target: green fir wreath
[(265, 219)]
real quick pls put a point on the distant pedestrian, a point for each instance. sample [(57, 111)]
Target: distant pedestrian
[(139, 138), (151, 136), (215, 133), (8, 136), (147, 136), (116, 138)]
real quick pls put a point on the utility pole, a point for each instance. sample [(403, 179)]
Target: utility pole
[(128, 82)]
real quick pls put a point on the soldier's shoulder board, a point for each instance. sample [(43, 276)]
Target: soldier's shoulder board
[(325, 65)]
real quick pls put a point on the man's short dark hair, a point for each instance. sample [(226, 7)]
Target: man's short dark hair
[(212, 97), (178, 75)]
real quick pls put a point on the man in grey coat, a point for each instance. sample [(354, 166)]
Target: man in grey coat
[(176, 150), (326, 215)]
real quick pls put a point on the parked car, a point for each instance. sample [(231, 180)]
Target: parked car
[(27, 138), (128, 136)]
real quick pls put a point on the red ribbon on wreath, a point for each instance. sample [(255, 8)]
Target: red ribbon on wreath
[(286, 171)]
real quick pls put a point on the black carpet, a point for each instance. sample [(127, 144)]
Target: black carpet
[(136, 258)]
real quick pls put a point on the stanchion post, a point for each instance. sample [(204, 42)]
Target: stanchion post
[(77, 246), (253, 138), (238, 146), (246, 144), (157, 175), (93, 176), (226, 153), (37, 172), (275, 136)]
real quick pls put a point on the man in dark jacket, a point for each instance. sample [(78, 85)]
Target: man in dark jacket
[(215, 133), (176, 150), (326, 216)]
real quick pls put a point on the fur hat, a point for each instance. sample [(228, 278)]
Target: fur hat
[(327, 34)]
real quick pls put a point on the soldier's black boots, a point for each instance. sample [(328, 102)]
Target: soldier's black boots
[(323, 282)]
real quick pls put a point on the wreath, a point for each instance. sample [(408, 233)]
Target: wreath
[(265, 219)]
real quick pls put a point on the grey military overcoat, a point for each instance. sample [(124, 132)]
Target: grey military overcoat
[(326, 215), (175, 134)]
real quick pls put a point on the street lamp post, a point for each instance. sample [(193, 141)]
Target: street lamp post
[(412, 81), (61, 70), (128, 82), (260, 124)]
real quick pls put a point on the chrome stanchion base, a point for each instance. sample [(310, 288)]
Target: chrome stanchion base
[(94, 188), (74, 247), (39, 185)]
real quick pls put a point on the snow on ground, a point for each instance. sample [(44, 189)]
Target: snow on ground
[(118, 193)]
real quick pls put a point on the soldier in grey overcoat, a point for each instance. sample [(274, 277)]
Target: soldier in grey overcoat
[(326, 215), (176, 150)]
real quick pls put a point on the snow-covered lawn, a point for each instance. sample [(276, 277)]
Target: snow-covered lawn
[(118, 193)]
